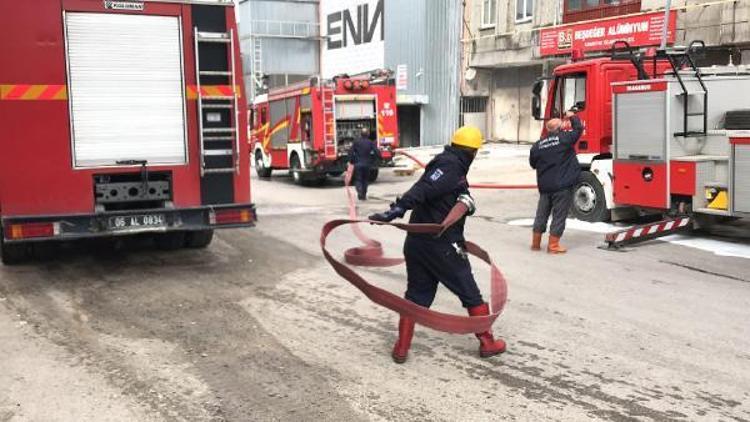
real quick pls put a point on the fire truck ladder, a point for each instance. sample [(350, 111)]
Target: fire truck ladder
[(637, 234), (258, 62), (218, 115), (329, 121), (677, 59)]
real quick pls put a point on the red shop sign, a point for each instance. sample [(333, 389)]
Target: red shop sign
[(638, 31)]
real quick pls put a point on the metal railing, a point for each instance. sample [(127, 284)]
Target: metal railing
[(284, 29)]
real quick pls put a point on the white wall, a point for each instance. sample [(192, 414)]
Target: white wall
[(341, 22)]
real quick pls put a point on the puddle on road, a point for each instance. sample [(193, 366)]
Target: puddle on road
[(715, 246)]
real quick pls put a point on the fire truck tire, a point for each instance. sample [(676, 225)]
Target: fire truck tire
[(170, 241), (589, 203), (294, 170), (317, 180), (13, 254), (260, 166), (335, 173), (374, 174), (199, 239)]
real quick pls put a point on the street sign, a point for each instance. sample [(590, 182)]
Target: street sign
[(402, 77)]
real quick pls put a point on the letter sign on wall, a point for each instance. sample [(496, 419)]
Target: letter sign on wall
[(353, 36)]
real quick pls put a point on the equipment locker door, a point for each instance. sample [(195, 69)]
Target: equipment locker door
[(127, 97)]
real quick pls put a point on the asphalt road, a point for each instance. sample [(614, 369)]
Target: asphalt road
[(259, 328)]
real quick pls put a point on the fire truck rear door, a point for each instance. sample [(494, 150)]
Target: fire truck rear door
[(127, 97)]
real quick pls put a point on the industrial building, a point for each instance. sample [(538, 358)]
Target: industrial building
[(508, 44), (284, 41)]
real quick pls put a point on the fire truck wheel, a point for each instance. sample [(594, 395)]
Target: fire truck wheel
[(170, 241), (589, 203), (335, 173), (294, 170), (260, 166), (199, 239), (374, 175), (13, 254)]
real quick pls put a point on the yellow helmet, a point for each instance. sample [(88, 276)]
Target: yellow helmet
[(468, 136)]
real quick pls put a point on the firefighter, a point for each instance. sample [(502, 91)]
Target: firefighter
[(441, 196), (363, 155), (557, 171)]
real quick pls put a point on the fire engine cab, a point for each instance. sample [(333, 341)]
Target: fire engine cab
[(661, 135), (120, 117), (308, 127)]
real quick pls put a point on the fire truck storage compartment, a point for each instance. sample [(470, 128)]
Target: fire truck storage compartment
[(280, 112), (127, 102), (640, 126), (641, 184), (741, 176), (353, 112)]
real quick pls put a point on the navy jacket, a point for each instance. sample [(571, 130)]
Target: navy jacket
[(364, 153), (437, 191), (554, 159)]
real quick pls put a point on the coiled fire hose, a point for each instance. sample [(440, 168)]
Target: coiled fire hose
[(371, 254)]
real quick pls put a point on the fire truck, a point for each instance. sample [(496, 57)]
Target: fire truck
[(308, 127), (120, 117), (661, 134)]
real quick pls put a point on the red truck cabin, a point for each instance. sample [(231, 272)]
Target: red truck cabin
[(587, 85), (119, 117), (309, 127)]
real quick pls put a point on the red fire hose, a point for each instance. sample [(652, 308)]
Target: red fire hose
[(471, 185), (370, 254)]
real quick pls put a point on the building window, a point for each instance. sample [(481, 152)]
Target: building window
[(489, 13), (582, 10), (524, 10)]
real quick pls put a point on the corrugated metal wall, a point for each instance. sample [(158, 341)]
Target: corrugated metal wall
[(425, 35), (287, 31)]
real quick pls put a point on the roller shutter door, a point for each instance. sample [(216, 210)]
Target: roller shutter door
[(126, 89)]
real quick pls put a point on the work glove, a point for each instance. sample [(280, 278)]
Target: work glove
[(393, 213)]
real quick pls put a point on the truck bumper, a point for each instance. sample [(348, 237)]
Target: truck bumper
[(122, 223)]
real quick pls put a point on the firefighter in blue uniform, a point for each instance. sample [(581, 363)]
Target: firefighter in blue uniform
[(557, 169), (441, 196), (364, 154)]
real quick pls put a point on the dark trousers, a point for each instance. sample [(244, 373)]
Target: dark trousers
[(556, 203), (361, 180), (431, 261)]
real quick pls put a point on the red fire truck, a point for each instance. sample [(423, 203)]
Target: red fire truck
[(661, 135), (308, 127), (120, 117)]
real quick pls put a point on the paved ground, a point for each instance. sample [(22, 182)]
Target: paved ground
[(258, 328)]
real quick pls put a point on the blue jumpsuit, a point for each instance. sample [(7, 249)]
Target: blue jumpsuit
[(430, 260)]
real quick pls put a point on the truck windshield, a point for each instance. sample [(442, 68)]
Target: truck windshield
[(570, 92)]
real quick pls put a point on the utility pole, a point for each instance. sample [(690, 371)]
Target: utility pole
[(665, 28)]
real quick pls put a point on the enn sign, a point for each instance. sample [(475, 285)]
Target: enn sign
[(354, 36), (638, 31)]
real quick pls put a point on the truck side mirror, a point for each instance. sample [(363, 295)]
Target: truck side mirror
[(536, 100), (536, 107)]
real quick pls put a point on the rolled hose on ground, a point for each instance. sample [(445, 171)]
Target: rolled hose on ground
[(371, 254)]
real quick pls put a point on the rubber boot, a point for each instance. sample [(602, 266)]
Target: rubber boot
[(405, 333), (554, 246), (536, 241), (488, 346)]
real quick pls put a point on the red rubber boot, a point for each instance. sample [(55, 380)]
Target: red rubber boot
[(488, 346), (405, 333)]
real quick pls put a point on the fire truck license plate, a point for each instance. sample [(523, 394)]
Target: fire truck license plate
[(136, 221)]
